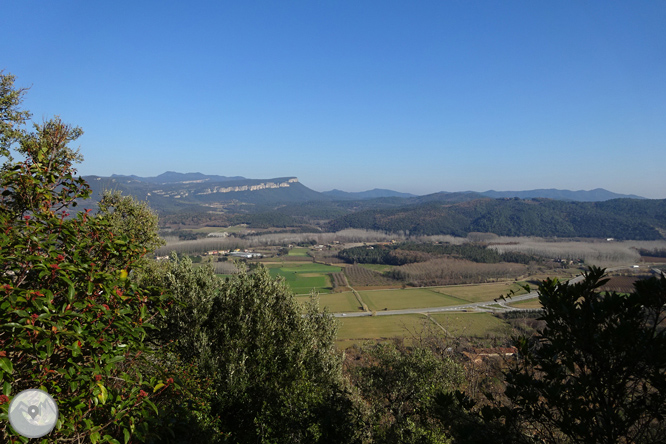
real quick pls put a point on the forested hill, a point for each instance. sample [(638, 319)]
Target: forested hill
[(618, 218)]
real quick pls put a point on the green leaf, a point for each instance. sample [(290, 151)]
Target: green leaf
[(127, 435), (115, 359), (6, 388), (12, 324), (150, 403), (157, 387), (94, 437), (6, 365)]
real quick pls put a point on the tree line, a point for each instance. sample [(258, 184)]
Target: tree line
[(411, 252)]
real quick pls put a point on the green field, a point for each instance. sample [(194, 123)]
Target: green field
[(298, 251), (302, 278), (407, 298), (335, 302)]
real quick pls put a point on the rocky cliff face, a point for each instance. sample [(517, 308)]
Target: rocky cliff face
[(198, 189), (259, 186), (178, 191)]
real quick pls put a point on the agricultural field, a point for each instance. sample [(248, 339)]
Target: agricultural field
[(298, 251), (653, 259), (233, 229), (452, 325), (379, 292), (481, 292), (339, 281), (377, 267), (397, 299), (362, 276), (622, 284), (302, 278), (373, 328), (478, 325), (529, 303), (335, 302)]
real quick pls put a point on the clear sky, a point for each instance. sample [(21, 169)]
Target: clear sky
[(418, 97)]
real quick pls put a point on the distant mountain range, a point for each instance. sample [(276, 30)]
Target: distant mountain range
[(198, 188), (196, 198), (596, 195), (371, 194), (173, 177)]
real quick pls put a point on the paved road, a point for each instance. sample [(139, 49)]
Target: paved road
[(490, 306)]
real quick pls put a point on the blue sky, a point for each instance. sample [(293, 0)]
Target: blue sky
[(417, 97)]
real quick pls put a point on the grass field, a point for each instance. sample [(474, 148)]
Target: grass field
[(302, 278), (298, 251), (335, 302), (477, 325), (407, 298), (371, 328)]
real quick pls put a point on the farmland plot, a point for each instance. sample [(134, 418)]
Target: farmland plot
[(335, 302), (478, 325), (372, 328), (359, 276), (481, 292), (303, 278), (407, 298), (339, 281)]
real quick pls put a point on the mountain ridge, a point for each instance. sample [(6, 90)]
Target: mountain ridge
[(176, 192), (286, 201), (173, 177), (595, 195), (369, 194)]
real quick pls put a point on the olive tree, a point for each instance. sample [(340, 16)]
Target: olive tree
[(268, 367)]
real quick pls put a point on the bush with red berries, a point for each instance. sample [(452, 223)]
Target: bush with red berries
[(71, 321)]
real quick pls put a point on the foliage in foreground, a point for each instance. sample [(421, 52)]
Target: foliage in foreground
[(401, 384), (597, 372), (274, 372), (71, 322)]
